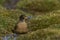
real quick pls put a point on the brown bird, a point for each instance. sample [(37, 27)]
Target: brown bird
[(21, 26)]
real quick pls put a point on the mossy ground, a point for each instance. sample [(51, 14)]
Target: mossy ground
[(42, 26)]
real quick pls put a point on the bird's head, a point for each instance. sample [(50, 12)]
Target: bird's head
[(24, 17)]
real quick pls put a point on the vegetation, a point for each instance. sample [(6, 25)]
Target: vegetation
[(39, 5), (41, 27), (1, 2)]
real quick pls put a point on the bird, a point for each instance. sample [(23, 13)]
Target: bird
[(21, 27)]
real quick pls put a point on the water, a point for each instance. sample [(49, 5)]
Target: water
[(10, 37)]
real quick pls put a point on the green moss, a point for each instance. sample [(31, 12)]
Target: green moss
[(39, 5)]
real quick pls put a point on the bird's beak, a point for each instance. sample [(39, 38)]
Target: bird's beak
[(27, 17)]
